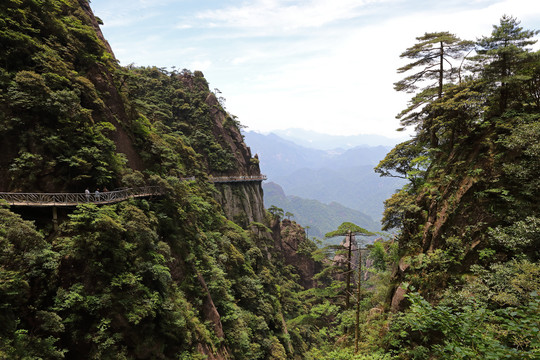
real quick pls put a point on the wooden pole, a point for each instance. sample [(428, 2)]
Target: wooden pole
[(55, 218), (357, 327)]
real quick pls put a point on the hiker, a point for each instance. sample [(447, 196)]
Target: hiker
[(97, 194), (87, 193)]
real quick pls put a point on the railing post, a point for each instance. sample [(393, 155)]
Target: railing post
[(55, 218)]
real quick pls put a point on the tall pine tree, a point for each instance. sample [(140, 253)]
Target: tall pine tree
[(434, 59), (503, 56)]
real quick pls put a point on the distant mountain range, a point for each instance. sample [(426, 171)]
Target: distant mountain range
[(316, 140), (316, 217), (280, 156), (344, 176)]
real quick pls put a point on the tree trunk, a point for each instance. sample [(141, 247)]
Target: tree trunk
[(349, 259), (441, 70), (359, 287)]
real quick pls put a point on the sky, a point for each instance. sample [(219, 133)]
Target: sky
[(321, 65)]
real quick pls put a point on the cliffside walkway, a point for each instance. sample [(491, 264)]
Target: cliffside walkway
[(103, 198), (232, 179)]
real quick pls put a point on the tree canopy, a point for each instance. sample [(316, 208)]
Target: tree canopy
[(347, 228), (434, 58), (463, 217)]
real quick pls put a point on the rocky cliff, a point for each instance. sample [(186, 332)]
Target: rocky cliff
[(242, 202), (290, 239), (65, 124), (160, 278), (73, 119)]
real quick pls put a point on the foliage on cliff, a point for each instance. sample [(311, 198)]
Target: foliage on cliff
[(72, 118), (468, 219), (166, 278), (172, 278), (180, 104), (53, 123)]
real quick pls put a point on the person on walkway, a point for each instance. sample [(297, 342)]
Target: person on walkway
[(97, 194), (87, 193)]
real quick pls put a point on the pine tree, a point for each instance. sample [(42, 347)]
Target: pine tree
[(429, 55), (502, 57), (349, 230)]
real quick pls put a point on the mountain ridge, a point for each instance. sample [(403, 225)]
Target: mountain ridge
[(322, 141), (319, 218), (344, 176)]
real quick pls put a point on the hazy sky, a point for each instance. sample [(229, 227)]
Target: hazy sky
[(323, 65)]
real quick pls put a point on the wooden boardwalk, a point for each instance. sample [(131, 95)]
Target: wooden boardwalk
[(109, 197)]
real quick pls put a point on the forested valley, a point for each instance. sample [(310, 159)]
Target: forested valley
[(200, 270)]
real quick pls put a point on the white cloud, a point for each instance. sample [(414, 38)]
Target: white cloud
[(201, 65), (325, 65), (184, 26), (250, 56), (282, 15), (349, 89)]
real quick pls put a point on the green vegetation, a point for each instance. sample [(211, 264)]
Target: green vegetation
[(136, 280), (177, 105), (71, 116), (468, 218), (172, 278), (169, 278), (52, 115), (348, 228)]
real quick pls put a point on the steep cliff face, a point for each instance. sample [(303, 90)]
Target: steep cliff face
[(186, 105), (206, 136), (241, 202), (160, 278), (226, 129), (478, 180), (290, 240), (444, 232), (65, 125)]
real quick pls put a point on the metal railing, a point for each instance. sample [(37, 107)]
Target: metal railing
[(73, 199), (226, 179), (108, 197)]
